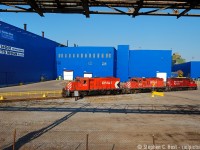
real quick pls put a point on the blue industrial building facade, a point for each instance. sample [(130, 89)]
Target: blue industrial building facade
[(190, 69), (99, 61), (122, 62), (147, 63), (106, 61), (24, 56)]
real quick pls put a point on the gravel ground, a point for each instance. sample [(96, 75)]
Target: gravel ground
[(120, 122)]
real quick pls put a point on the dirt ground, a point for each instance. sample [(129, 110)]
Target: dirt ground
[(118, 122)]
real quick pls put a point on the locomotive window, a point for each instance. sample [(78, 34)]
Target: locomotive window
[(77, 55), (65, 55), (85, 55), (69, 55), (73, 55), (90, 55), (84, 81), (98, 55), (81, 55), (102, 55), (94, 55)]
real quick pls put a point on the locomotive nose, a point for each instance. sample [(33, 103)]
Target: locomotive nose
[(117, 84), (69, 86)]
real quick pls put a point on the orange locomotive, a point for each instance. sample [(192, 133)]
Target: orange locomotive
[(90, 86)]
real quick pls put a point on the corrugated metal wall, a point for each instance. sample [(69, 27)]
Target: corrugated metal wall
[(185, 67), (100, 61), (190, 69), (24, 56), (195, 69), (122, 62), (146, 63)]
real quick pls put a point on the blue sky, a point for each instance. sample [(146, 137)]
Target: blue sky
[(143, 32)]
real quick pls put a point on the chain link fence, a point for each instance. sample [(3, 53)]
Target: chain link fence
[(73, 141), (101, 140)]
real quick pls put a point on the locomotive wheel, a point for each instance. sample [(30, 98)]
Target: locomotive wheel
[(132, 91), (108, 92)]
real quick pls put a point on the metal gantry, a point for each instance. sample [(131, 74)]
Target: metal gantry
[(132, 8)]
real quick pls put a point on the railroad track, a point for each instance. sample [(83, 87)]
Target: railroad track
[(111, 108)]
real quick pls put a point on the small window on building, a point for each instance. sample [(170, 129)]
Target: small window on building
[(102, 55), (104, 63), (69, 55), (107, 55), (85, 55), (81, 55), (90, 55), (77, 55), (98, 55), (94, 55)]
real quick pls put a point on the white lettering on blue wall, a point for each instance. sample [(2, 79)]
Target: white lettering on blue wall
[(6, 35), (13, 51)]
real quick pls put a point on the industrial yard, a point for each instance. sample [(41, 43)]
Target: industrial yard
[(114, 122), (103, 84)]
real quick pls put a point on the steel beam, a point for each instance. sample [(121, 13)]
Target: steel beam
[(137, 7), (34, 6), (140, 3), (86, 8)]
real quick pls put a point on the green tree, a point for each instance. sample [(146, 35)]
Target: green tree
[(177, 59)]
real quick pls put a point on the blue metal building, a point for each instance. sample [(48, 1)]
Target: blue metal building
[(106, 61), (147, 63), (142, 63), (24, 56), (122, 62), (97, 61), (190, 69)]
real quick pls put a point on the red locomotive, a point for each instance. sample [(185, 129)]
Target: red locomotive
[(89, 86), (111, 85), (135, 85), (180, 84)]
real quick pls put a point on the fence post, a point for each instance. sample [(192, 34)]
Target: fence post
[(153, 140), (87, 142), (14, 138)]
